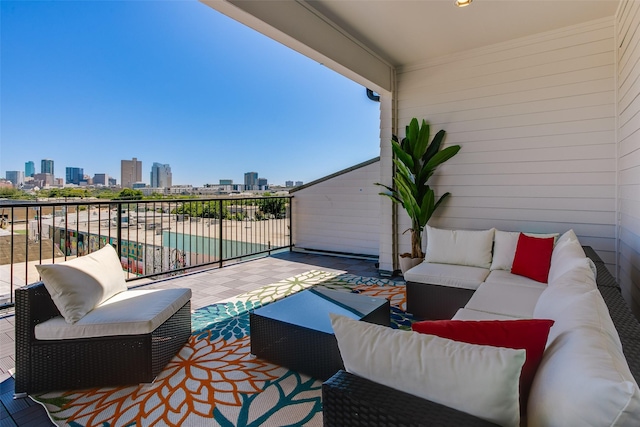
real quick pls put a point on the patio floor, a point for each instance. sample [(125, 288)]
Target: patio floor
[(207, 286)]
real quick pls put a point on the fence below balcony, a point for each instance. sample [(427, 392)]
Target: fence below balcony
[(155, 238)]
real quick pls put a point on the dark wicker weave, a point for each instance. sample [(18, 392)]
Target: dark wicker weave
[(435, 302), (349, 400), (48, 365)]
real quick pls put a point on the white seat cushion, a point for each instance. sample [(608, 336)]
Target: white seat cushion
[(506, 277), (506, 299), (468, 314), (456, 276), (133, 312)]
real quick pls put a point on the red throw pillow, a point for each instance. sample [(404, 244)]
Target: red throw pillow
[(528, 334), (533, 257)]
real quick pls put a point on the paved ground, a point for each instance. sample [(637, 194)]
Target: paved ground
[(208, 287)]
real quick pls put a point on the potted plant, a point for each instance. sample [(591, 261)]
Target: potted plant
[(415, 160)]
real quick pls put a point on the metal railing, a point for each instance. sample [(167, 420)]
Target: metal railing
[(154, 238)]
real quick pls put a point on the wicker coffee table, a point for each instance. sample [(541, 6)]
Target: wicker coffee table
[(296, 331)]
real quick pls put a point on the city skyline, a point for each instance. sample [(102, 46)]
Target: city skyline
[(171, 82), (74, 175)]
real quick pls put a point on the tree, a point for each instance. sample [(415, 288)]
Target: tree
[(129, 194)]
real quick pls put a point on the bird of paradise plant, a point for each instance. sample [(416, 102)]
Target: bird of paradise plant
[(415, 160)]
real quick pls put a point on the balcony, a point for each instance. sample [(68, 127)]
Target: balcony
[(191, 244), (154, 238)]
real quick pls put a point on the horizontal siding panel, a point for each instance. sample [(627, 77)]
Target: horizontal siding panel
[(520, 54), (630, 160), (499, 86), (560, 203), (630, 144), (535, 154), (583, 231), (540, 215), (543, 143), (630, 176), (563, 128), (534, 118), (340, 214), (542, 178), (536, 191), (630, 191), (591, 91), (532, 167)]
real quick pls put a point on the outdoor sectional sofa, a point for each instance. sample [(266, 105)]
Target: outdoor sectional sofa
[(587, 375), (82, 327)]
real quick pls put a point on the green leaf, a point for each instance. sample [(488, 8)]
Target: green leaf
[(403, 156), (434, 147), (422, 141), (442, 156)]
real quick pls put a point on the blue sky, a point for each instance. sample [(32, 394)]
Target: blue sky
[(89, 83)]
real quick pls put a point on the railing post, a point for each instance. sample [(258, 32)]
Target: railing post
[(290, 223), (119, 229), (220, 245)]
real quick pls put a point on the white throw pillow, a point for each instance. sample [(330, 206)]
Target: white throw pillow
[(476, 379), (460, 247), (583, 380), (566, 255), (77, 286), (504, 248)]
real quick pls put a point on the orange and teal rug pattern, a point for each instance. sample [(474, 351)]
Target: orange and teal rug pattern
[(214, 380)]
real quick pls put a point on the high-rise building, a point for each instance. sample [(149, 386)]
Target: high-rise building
[(46, 166), (298, 183), (288, 184), (130, 172), (74, 175), (16, 178), (29, 168), (160, 176), (263, 184), (113, 182), (43, 179), (226, 182), (101, 179), (250, 180)]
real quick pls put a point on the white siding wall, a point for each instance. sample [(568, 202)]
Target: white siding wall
[(536, 121), (628, 56), (340, 214)]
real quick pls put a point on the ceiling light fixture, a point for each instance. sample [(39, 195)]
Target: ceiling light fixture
[(462, 3)]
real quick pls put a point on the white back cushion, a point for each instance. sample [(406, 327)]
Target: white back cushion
[(504, 248), (480, 380), (461, 247), (78, 285), (583, 380), (566, 255)]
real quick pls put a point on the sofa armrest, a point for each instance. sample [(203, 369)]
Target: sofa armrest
[(350, 400)]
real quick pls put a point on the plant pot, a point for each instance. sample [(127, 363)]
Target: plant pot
[(406, 262)]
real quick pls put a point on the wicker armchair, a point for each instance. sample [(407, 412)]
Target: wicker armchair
[(88, 362)]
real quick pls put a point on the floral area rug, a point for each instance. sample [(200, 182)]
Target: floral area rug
[(214, 380)]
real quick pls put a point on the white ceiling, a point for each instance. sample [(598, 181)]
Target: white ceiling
[(366, 39), (404, 32)]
